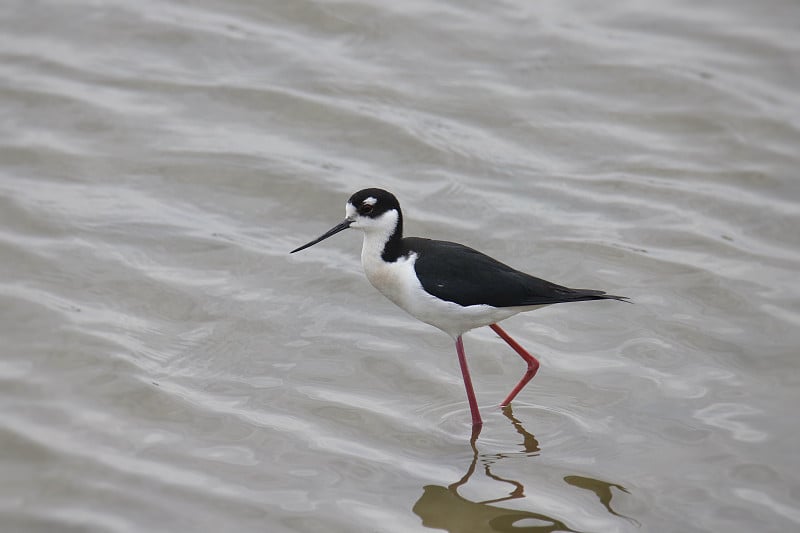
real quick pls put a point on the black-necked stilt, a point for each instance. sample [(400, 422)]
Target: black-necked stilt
[(446, 284)]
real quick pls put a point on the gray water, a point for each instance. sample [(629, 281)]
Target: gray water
[(166, 365)]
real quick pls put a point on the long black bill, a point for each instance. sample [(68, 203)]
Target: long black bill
[(333, 231)]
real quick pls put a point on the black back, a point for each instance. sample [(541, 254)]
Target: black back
[(459, 274)]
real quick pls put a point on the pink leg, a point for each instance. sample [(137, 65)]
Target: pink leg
[(533, 364), (473, 403)]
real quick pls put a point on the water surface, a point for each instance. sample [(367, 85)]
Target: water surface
[(166, 365)]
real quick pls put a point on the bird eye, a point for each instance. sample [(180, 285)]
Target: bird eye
[(366, 209)]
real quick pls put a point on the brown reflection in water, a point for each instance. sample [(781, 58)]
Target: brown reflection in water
[(442, 507), (603, 491), (529, 443)]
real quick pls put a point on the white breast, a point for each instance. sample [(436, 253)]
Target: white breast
[(398, 282)]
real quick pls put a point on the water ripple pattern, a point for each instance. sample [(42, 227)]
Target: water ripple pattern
[(167, 366)]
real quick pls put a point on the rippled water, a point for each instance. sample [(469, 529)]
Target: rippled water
[(167, 366)]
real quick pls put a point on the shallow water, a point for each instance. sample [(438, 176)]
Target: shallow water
[(168, 366)]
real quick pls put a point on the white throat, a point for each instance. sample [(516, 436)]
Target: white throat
[(396, 279), (377, 232)]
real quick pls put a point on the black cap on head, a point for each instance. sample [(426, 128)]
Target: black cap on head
[(373, 202), (370, 203)]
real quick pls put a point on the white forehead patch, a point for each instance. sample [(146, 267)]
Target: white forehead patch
[(370, 201), (349, 210)]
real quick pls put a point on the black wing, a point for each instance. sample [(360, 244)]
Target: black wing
[(459, 274)]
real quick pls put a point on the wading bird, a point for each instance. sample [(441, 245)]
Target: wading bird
[(446, 284)]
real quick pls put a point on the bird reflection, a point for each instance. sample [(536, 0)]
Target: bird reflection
[(443, 507), (603, 491)]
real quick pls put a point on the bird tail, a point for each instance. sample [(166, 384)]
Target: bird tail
[(582, 295)]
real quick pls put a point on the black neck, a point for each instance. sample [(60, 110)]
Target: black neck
[(393, 249)]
